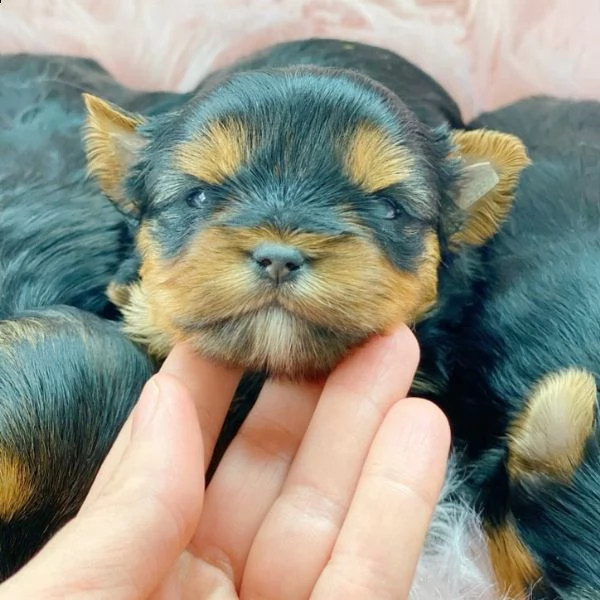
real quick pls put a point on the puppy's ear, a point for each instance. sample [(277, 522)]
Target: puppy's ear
[(490, 164), (112, 145)]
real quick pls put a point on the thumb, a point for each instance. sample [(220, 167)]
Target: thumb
[(122, 545)]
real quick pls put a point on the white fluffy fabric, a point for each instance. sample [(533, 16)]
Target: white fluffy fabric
[(485, 52), (454, 564)]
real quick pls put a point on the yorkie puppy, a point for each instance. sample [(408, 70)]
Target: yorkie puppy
[(68, 376), (295, 207), (522, 364), (284, 214)]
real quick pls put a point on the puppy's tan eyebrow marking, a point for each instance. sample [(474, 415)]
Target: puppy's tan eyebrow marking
[(374, 161), (216, 152)]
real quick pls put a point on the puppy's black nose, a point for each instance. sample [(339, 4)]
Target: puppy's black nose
[(278, 262)]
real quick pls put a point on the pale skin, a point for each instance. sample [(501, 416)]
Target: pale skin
[(326, 493)]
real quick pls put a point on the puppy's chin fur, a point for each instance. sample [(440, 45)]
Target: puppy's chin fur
[(276, 342), (271, 340)]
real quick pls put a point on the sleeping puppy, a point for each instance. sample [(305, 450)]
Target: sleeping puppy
[(523, 365), (68, 375), (68, 378), (329, 130)]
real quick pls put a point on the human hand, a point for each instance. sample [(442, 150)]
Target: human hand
[(326, 492)]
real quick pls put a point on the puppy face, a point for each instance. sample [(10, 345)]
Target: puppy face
[(285, 216)]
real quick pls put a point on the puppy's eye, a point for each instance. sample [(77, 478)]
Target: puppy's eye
[(390, 210), (197, 198)]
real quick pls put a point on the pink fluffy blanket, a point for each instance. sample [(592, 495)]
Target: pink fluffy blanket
[(485, 52)]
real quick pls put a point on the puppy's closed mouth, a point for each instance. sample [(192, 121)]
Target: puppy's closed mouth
[(265, 310)]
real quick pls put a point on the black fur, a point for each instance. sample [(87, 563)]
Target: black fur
[(419, 91), (54, 220), (524, 306), (68, 378)]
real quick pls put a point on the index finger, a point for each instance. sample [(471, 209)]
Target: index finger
[(381, 540), (211, 385)]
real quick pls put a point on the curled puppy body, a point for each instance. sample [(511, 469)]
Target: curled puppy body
[(68, 378), (522, 364)]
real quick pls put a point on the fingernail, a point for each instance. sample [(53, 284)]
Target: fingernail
[(146, 408)]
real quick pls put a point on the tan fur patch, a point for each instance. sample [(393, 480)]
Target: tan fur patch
[(31, 329), (16, 488), (119, 294), (145, 322), (514, 568), (216, 152), (144, 325), (509, 157), (350, 287), (374, 162), (550, 435), (110, 144)]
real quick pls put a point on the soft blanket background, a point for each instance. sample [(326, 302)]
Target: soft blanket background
[(485, 52)]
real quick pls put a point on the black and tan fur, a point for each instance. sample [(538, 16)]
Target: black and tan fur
[(356, 168), (521, 386), (319, 160), (69, 376), (397, 222)]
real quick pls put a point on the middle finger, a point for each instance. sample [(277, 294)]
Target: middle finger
[(296, 538), (247, 482)]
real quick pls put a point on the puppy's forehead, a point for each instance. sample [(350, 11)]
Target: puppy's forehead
[(299, 121), (301, 96)]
